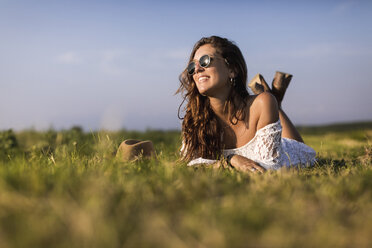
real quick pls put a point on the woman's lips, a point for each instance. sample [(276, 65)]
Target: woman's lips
[(202, 79)]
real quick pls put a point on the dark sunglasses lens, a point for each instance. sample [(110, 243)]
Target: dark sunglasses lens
[(204, 61), (191, 68)]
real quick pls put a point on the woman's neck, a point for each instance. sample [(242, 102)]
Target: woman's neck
[(218, 105), (221, 109)]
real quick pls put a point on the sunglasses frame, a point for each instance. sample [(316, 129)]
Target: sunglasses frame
[(201, 63)]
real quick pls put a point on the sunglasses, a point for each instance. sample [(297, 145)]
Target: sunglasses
[(204, 62)]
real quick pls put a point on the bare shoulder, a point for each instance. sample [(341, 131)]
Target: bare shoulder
[(264, 98), (266, 108)]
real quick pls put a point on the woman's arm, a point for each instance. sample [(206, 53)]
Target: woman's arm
[(266, 107), (238, 162), (265, 111), (244, 164)]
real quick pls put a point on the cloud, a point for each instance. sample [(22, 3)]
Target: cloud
[(113, 62), (337, 49), (69, 58), (110, 62), (344, 6), (313, 51)]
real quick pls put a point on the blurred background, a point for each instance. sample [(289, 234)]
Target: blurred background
[(115, 64)]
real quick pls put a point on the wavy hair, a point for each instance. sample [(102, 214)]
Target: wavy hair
[(201, 130)]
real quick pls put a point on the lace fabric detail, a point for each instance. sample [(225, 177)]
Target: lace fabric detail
[(201, 161), (270, 150), (265, 147), (296, 153), (197, 160)]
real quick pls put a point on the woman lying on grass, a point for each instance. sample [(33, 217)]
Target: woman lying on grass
[(224, 123)]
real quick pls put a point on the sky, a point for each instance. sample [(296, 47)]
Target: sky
[(115, 64)]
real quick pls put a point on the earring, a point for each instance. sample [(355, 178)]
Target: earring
[(232, 81)]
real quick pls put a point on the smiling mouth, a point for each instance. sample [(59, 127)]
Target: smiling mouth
[(202, 79)]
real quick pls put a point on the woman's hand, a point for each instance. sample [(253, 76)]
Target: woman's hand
[(245, 164)]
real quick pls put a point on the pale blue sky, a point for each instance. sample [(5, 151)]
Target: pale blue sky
[(114, 64)]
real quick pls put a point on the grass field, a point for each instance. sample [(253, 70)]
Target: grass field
[(65, 189)]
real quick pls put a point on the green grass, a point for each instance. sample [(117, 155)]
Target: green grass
[(65, 189)]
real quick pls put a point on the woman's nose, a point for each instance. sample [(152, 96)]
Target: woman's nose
[(198, 68)]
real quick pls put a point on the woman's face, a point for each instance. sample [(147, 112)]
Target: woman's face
[(213, 80)]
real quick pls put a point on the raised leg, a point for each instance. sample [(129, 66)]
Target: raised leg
[(288, 129), (280, 84)]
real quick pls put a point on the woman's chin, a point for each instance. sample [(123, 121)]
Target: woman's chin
[(203, 92)]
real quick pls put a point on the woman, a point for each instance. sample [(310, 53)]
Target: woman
[(223, 122)]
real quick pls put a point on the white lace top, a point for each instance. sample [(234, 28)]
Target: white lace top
[(270, 150)]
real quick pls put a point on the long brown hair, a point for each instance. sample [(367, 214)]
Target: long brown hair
[(201, 130)]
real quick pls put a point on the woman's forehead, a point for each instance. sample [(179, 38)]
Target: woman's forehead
[(203, 50)]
